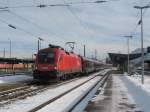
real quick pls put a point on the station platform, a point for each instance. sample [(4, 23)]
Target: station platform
[(114, 98)]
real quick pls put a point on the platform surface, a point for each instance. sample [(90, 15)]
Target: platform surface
[(115, 98)]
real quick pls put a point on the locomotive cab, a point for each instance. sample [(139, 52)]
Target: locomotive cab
[(46, 64), (55, 63)]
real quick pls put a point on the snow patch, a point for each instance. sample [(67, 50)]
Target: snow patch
[(140, 93), (31, 102), (15, 78)]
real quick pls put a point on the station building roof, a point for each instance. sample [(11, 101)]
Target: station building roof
[(118, 58), (15, 60)]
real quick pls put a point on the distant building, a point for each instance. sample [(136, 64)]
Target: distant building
[(120, 60)]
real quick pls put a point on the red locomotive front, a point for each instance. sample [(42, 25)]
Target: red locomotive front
[(55, 63)]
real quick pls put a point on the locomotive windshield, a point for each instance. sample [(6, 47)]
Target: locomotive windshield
[(46, 57)]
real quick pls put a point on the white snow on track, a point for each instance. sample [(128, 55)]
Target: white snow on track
[(14, 79), (31, 102), (66, 102)]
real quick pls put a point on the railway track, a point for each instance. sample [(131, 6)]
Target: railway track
[(28, 90), (88, 96), (100, 82), (18, 93), (8, 96)]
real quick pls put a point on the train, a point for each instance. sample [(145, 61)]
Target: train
[(54, 62)]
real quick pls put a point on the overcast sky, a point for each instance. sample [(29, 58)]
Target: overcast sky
[(98, 26)]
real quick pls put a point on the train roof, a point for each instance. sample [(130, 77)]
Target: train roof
[(92, 60), (55, 46), (59, 47)]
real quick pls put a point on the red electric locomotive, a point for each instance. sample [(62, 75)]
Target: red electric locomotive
[(55, 63)]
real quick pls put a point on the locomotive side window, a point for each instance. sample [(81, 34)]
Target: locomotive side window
[(46, 57)]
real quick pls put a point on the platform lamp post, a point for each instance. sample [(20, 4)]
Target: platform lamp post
[(142, 49), (128, 44), (14, 27), (84, 51)]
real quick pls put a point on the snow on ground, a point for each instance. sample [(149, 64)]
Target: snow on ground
[(103, 72), (136, 79), (66, 102), (31, 102), (140, 93), (15, 79)]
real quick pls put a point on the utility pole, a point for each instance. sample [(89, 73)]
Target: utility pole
[(9, 47), (142, 49), (95, 54), (38, 44), (128, 44), (84, 51), (4, 52)]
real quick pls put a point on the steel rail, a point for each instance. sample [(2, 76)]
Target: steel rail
[(23, 92), (102, 81), (12, 90), (61, 95)]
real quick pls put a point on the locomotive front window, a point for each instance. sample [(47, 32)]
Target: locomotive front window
[(46, 57)]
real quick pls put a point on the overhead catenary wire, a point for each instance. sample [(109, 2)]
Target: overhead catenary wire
[(60, 37), (39, 6), (84, 27), (19, 28), (78, 19), (65, 4), (65, 40), (139, 20), (12, 26), (30, 22), (34, 24), (51, 5), (146, 9)]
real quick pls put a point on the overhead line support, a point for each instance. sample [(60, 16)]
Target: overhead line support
[(142, 49)]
